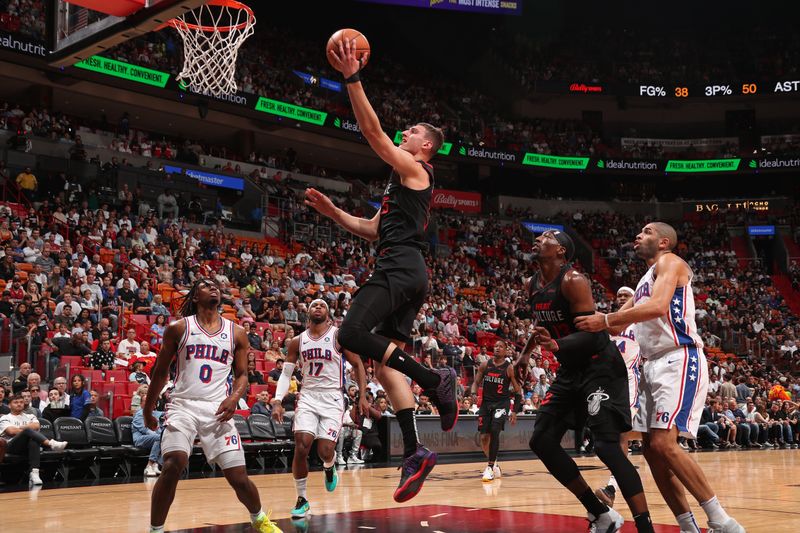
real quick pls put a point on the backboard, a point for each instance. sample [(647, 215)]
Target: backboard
[(82, 28)]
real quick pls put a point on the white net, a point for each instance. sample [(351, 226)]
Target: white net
[(212, 35)]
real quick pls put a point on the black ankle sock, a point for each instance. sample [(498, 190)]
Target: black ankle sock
[(405, 363), (592, 504), (328, 473), (643, 523), (405, 418)]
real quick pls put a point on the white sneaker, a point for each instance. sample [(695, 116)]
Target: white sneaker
[(57, 445), (497, 472), (151, 471), (35, 479), (488, 475), (340, 460), (353, 459), (609, 522), (730, 526)]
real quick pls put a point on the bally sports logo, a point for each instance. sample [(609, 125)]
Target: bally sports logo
[(469, 202)]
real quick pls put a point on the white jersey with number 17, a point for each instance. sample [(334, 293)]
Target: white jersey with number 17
[(320, 361)]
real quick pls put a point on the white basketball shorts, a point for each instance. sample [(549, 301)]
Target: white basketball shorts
[(186, 420), (673, 391), (320, 413)]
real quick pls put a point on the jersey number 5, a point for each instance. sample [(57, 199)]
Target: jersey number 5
[(205, 373)]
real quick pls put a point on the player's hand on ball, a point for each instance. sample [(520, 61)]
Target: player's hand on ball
[(277, 412), (592, 323), (542, 337), (344, 58), (226, 410), (320, 202), (149, 421)]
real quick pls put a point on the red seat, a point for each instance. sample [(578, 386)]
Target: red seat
[(132, 386), (122, 405), (94, 376), (256, 389), (259, 355), (72, 360), (261, 365), (117, 375), (103, 387), (279, 336), (269, 366), (120, 388)]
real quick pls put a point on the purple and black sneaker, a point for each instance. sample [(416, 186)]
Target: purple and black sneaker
[(415, 469), (445, 397)]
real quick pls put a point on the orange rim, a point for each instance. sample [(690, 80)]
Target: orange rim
[(180, 24)]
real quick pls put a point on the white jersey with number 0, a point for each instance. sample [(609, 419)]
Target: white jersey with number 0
[(204, 361), (320, 361), (671, 330)]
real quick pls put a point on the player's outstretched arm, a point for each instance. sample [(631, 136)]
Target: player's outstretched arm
[(361, 379), (160, 372), (599, 321), (345, 61), (228, 406), (366, 228)]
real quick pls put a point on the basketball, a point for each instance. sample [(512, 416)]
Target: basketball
[(362, 45)]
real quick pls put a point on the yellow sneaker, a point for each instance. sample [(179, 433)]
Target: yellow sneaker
[(265, 525)]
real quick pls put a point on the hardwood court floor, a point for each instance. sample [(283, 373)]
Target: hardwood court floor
[(760, 488)]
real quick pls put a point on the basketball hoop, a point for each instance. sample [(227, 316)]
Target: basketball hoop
[(212, 35)]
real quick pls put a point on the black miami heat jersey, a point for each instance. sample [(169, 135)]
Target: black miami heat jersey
[(405, 213), (496, 383), (550, 307)]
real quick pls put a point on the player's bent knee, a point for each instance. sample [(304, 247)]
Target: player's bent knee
[(349, 336)]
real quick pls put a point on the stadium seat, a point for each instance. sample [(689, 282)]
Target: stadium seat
[(255, 389), (250, 446), (117, 375), (100, 434), (79, 452), (122, 405)]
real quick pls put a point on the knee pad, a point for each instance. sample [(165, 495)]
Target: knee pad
[(348, 336)]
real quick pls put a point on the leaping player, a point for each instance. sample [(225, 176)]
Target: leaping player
[(674, 378), (499, 381), (321, 407), (629, 349), (208, 348)]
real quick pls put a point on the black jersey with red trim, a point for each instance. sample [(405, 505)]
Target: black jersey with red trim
[(550, 307), (405, 213), (496, 383)]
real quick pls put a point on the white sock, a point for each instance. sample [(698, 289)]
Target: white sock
[(715, 511), (687, 523), (157, 529), (254, 517), (327, 464), (613, 482), (300, 484)]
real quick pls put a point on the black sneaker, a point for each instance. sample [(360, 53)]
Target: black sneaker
[(415, 469), (445, 397)]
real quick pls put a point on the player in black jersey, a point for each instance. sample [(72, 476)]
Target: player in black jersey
[(498, 378), (391, 298), (590, 388)]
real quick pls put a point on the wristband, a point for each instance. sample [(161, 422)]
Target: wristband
[(352, 79), (605, 318)]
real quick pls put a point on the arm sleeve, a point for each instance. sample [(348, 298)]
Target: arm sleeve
[(578, 347), (284, 381)]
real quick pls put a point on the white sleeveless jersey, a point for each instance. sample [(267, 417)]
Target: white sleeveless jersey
[(672, 330), (205, 362), (628, 347), (321, 363)]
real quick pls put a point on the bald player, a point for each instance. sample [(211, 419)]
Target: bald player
[(675, 376)]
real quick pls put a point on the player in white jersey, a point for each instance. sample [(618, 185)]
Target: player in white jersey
[(675, 375), (321, 407), (206, 349), (629, 349)]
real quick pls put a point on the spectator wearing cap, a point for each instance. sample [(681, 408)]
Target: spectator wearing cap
[(138, 375), (275, 373)]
